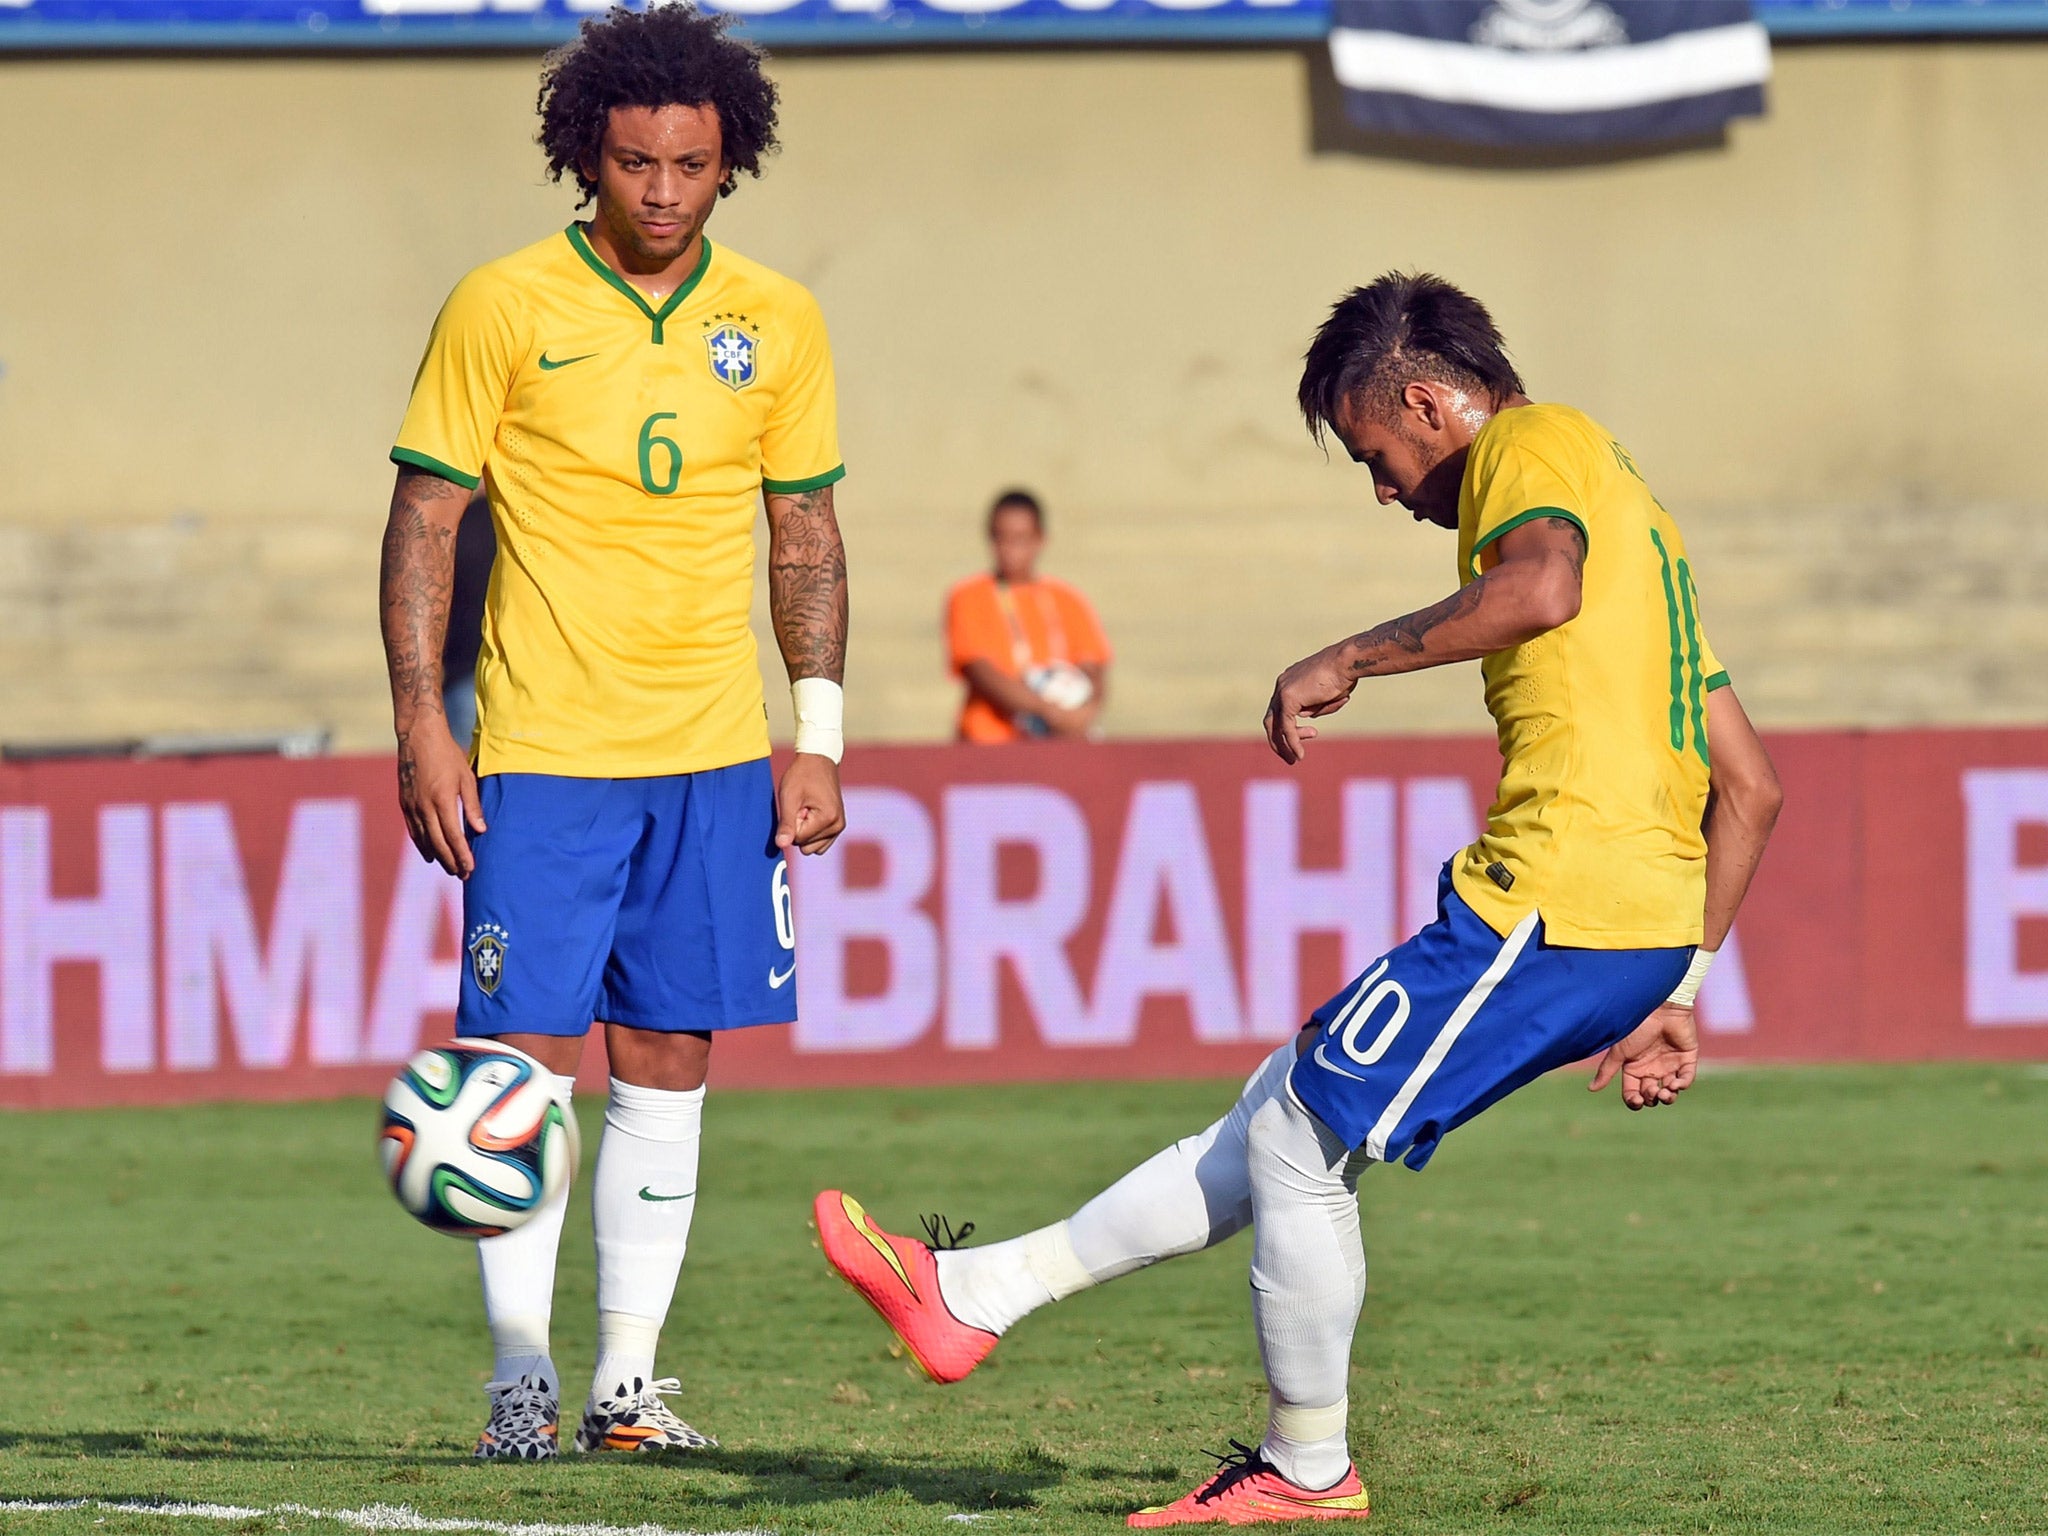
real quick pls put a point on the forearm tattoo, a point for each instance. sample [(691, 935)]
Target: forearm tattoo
[(1405, 637), (416, 580), (1395, 645), (807, 584)]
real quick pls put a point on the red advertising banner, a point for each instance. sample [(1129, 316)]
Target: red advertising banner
[(232, 928)]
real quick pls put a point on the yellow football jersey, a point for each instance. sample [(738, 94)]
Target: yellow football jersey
[(1602, 721), (624, 445)]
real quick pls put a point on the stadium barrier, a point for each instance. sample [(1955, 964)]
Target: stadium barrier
[(215, 929)]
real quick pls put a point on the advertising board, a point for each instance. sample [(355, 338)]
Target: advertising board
[(212, 929)]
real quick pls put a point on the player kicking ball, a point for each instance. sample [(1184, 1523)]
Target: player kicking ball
[(1634, 804), (627, 391)]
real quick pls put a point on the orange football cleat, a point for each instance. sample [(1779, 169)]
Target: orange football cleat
[(899, 1278), (1247, 1491)]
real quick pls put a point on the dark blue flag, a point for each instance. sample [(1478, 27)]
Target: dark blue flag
[(1549, 72)]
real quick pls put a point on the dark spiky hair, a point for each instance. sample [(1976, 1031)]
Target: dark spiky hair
[(1397, 329), (664, 56)]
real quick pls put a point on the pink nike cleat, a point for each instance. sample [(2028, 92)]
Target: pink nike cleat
[(899, 1278), (1247, 1491)]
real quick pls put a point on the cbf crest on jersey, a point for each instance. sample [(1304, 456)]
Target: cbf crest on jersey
[(732, 356), (487, 957)]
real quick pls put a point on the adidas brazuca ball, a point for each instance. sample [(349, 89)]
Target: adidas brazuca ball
[(473, 1143)]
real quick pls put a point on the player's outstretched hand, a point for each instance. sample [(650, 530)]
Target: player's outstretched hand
[(437, 792), (1316, 686), (1656, 1060), (809, 810)]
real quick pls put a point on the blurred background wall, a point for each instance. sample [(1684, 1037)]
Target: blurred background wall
[(1088, 272)]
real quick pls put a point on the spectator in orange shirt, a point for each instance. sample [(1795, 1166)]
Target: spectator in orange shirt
[(1029, 648)]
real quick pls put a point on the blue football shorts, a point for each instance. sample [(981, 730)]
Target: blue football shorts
[(659, 903), (1459, 1017)]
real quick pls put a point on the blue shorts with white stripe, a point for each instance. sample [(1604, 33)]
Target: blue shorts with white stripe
[(1459, 1017)]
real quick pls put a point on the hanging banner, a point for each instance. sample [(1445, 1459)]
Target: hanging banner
[(178, 931), (431, 24), (1549, 72), (414, 24)]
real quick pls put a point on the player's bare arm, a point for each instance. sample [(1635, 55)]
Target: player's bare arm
[(1659, 1058), (1534, 587), (436, 787), (807, 604)]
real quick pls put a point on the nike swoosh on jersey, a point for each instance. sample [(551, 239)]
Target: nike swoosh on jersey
[(776, 979), (550, 364), (647, 1193), (1325, 1062)]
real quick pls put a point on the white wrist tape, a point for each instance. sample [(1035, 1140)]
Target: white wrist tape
[(820, 706), (1689, 988)]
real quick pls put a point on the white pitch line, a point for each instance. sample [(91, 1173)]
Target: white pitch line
[(372, 1517)]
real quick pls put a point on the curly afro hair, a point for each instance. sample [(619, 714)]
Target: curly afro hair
[(665, 56)]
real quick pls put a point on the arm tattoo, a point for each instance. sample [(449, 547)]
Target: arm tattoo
[(1403, 644), (1578, 536), (807, 584), (416, 579), (1404, 637)]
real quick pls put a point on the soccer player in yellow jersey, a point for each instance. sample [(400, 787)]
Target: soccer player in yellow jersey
[(1634, 804), (628, 392)]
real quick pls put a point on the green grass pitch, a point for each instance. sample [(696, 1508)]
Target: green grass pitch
[(1803, 1301)]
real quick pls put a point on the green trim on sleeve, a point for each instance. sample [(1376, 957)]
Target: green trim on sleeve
[(797, 487), (581, 244), (1718, 680), (433, 466), (1522, 517)]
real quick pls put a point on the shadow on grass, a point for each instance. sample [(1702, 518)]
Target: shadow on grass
[(811, 1475), (736, 1478), (158, 1445)]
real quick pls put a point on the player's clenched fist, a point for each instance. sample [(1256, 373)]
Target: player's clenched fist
[(810, 812), (1315, 686)]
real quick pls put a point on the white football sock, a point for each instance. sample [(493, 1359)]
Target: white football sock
[(992, 1286), (1189, 1197), (1306, 1445), (518, 1274), (642, 1199), (1308, 1283)]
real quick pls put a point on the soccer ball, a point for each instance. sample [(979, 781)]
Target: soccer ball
[(1061, 684), (473, 1142)]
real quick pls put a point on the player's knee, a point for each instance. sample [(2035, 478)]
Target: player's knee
[(675, 1060)]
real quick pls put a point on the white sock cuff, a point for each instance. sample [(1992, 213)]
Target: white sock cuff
[(1049, 1253), (526, 1334), (627, 1333), (655, 1114), (1308, 1426)]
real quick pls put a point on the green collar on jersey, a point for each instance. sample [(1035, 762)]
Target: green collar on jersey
[(581, 243)]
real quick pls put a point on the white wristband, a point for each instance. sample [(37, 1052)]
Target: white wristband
[(820, 706), (1689, 988)]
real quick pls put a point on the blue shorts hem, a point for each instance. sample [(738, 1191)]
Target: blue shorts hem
[(670, 1024), (490, 1029)]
